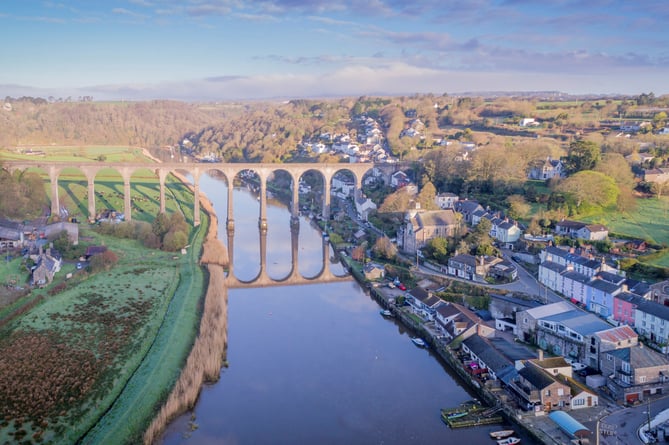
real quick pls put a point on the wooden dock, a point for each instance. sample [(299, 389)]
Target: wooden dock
[(475, 415)]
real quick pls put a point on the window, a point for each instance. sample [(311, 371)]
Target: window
[(560, 392), (578, 402), (548, 393), (642, 379), (626, 367)]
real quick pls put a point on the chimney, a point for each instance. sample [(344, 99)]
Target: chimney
[(541, 354)]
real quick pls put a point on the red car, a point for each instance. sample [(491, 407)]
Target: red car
[(401, 286)]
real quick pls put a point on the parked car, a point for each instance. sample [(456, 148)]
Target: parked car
[(79, 266), (401, 286), (576, 366)]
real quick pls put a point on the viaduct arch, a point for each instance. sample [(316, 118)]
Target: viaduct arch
[(195, 170)]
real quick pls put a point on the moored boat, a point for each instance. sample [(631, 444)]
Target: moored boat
[(386, 313), (502, 434), (418, 341), (509, 441)]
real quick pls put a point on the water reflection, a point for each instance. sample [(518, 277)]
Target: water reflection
[(316, 363)]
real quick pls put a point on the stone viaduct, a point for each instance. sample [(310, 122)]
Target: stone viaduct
[(195, 170)]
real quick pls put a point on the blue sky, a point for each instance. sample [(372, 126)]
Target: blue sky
[(241, 49)]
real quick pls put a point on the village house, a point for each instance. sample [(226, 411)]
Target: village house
[(656, 175), (467, 208), (455, 320), (624, 307), (609, 340), (488, 357), (363, 205), (374, 271), (660, 292), (475, 268), (546, 169), (526, 320), (575, 229), (47, 264), (635, 372), (503, 309), (565, 333), (539, 389), (422, 226), (446, 200), (651, 320), (423, 302)]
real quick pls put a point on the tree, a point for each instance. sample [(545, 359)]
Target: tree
[(518, 208), (161, 225), (384, 248), (427, 196), (615, 166), (103, 261), (590, 188), (582, 155), (437, 248)]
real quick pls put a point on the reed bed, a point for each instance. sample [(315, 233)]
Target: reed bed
[(206, 358)]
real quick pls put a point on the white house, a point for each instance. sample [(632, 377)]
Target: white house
[(363, 205), (446, 200)]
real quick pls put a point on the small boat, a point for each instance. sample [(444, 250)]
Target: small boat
[(418, 341), (387, 313), (508, 441), (502, 434)]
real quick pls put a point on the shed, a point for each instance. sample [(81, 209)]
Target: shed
[(569, 425)]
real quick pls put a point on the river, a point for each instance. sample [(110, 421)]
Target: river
[(314, 363)]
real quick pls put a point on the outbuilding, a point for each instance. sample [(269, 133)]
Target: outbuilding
[(569, 425)]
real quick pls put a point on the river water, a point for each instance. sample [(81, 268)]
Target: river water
[(314, 363)]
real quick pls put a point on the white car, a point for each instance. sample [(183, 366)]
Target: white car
[(576, 366)]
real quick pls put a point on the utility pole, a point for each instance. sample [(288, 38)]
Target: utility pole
[(648, 411)]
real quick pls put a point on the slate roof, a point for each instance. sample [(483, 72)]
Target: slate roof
[(536, 377), (640, 357), (552, 362), (576, 276), (424, 296), (464, 258), (630, 298), (485, 351), (444, 217), (650, 307), (573, 225), (555, 267), (604, 286), (611, 277), (581, 322), (516, 301), (546, 310)]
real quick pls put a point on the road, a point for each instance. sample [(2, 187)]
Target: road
[(626, 422)]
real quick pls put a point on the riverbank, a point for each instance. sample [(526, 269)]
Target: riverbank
[(206, 358), (540, 429)]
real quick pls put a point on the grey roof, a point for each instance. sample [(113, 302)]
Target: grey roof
[(637, 287), (611, 277), (555, 267), (426, 297), (630, 298), (604, 286), (464, 258), (547, 310), (485, 351), (536, 377), (436, 218), (653, 308), (640, 357), (574, 225), (512, 351), (447, 310), (557, 251), (576, 276), (466, 206), (581, 322)]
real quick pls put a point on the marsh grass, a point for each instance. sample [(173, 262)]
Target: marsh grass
[(206, 357)]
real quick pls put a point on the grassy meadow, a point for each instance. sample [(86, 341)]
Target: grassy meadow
[(90, 358)]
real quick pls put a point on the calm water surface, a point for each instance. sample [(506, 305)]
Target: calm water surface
[(315, 363)]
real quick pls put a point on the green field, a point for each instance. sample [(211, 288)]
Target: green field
[(75, 154), (92, 361)]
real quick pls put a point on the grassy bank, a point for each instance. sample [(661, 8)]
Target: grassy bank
[(91, 362)]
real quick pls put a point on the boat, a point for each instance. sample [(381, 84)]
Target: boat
[(387, 313), (418, 341), (456, 415), (502, 434), (508, 441)]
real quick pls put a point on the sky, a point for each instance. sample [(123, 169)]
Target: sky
[(209, 50)]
